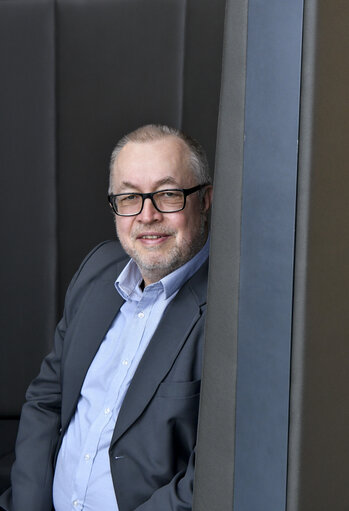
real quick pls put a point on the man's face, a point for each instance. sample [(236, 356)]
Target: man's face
[(159, 242)]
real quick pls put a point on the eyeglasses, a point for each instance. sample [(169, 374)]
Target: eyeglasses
[(165, 201)]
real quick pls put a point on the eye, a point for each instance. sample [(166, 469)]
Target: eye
[(171, 194), (125, 199)]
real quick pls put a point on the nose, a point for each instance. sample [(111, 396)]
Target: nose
[(149, 213)]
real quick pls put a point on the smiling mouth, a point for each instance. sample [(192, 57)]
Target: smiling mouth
[(152, 236)]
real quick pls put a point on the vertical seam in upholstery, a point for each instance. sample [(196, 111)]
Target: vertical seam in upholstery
[(182, 68), (56, 166)]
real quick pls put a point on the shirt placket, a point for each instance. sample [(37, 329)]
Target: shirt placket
[(102, 428)]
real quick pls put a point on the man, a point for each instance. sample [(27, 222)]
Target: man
[(110, 422)]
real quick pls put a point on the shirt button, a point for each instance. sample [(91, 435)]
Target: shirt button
[(141, 315), (87, 457), (107, 411), (75, 503), (125, 362)]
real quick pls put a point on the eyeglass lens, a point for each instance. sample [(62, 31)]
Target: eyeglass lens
[(165, 200)]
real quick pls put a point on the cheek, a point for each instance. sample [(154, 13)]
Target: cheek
[(188, 225), (123, 226), (179, 222)]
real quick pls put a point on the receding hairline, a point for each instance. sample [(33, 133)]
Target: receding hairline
[(176, 139), (195, 154)]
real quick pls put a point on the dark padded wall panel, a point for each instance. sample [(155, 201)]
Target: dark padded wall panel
[(213, 489), (28, 222), (204, 28), (8, 433), (319, 422), (120, 65)]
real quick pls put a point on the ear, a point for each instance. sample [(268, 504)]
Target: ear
[(207, 198)]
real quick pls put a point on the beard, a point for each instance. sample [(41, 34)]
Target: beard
[(154, 264)]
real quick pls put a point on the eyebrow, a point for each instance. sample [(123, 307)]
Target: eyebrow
[(165, 181)]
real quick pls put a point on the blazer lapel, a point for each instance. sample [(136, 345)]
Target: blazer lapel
[(172, 332), (95, 318)]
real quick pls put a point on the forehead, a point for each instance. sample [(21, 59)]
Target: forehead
[(146, 163)]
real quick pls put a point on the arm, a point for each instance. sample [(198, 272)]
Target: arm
[(38, 433), (40, 423)]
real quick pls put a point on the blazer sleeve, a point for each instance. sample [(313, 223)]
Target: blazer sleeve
[(38, 433), (40, 423)]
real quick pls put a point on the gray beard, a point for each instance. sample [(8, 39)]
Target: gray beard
[(176, 257)]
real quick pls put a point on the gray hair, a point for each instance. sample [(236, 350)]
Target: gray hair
[(151, 132)]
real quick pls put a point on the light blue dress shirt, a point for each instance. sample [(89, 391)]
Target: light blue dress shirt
[(82, 478)]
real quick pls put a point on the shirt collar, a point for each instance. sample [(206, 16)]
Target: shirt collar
[(128, 282)]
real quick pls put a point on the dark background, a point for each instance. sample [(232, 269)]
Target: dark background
[(76, 76)]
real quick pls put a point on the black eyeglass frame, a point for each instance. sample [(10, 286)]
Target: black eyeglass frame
[(185, 191)]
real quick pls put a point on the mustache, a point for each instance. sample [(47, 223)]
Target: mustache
[(143, 231)]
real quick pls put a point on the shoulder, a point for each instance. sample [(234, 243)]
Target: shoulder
[(103, 259), (103, 263)]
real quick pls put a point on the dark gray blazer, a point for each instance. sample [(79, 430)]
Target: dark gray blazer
[(152, 448)]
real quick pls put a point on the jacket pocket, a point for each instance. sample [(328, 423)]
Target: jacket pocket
[(178, 389)]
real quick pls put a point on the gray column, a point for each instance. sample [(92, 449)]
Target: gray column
[(213, 489), (274, 420), (243, 434)]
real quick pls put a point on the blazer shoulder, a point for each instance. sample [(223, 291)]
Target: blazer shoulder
[(104, 262), (107, 254)]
